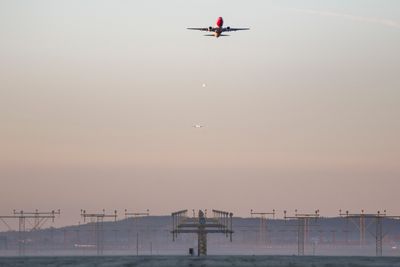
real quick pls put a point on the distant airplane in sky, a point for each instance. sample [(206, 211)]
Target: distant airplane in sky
[(219, 29), (198, 126)]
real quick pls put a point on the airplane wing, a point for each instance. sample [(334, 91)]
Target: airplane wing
[(229, 29), (200, 29)]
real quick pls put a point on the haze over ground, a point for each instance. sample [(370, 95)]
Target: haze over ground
[(98, 99)]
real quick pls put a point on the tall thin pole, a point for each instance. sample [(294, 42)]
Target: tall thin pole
[(21, 233), (137, 243), (379, 236), (300, 236)]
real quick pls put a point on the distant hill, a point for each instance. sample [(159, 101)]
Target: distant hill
[(151, 235)]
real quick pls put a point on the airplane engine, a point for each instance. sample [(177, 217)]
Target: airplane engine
[(210, 29), (228, 28)]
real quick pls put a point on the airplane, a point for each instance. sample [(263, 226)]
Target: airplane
[(219, 29), (198, 126)]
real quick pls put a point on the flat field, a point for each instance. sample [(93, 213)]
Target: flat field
[(145, 261)]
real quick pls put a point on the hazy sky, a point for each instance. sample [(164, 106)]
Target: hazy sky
[(98, 99)]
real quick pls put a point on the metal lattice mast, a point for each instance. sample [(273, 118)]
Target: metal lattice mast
[(379, 234), (202, 235), (202, 226)]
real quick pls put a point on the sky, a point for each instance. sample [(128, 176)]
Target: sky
[(98, 100)]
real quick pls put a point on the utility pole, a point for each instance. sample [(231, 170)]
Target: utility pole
[(39, 219), (263, 224), (302, 227), (98, 224), (136, 215)]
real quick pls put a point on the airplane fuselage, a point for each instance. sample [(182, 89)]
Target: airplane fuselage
[(217, 32), (218, 27)]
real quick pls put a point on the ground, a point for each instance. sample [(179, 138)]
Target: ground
[(147, 261)]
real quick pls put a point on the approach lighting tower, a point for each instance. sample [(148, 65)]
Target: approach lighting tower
[(201, 225), (378, 218), (98, 219), (263, 224), (136, 216), (302, 227), (358, 219), (39, 219)]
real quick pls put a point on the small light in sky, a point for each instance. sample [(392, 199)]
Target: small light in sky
[(204, 85)]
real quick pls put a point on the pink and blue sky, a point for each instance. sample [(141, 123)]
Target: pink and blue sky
[(98, 99)]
